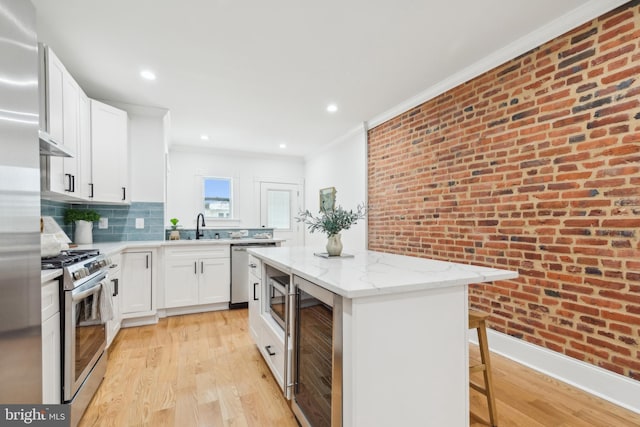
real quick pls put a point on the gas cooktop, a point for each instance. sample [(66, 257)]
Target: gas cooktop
[(68, 257)]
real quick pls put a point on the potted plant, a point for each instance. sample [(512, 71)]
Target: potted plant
[(175, 234), (332, 222), (83, 220)]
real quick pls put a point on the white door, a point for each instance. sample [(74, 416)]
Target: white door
[(279, 205)]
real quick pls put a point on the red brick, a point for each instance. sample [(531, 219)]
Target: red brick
[(557, 197)]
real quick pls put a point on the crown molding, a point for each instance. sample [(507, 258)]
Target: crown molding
[(584, 13)]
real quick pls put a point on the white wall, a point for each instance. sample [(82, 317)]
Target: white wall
[(343, 165), (187, 165)]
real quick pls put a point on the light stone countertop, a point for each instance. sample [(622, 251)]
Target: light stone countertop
[(46, 275), (108, 248), (375, 273)]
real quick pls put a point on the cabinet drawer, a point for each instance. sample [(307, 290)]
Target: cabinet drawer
[(272, 348), (257, 270), (50, 299), (116, 260), (213, 251)]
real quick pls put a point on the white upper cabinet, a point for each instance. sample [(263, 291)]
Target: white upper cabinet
[(60, 100), (109, 146), (52, 94), (96, 132)]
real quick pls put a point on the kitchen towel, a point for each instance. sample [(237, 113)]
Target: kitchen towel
[(104, 297)]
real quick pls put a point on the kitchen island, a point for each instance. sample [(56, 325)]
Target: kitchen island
[(403, 332)]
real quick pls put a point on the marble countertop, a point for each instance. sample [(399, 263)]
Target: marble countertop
[(370, 273), (108, 248), (46, 275)]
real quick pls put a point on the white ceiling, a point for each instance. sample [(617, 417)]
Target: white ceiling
[(252, 74)]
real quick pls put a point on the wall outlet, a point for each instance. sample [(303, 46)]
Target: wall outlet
[(139, 222), (103, 223)]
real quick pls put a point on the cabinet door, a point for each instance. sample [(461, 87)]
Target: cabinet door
[(71, 118), (51, 375), (55, 72), (255, 287), (113, 325), (180, 281), (109, 153), (84, 185), (62, 123), (136, 282), (215, 283)]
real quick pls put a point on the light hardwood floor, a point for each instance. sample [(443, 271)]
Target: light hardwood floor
[(204, 370)]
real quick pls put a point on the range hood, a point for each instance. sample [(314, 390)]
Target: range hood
[(49, 147)]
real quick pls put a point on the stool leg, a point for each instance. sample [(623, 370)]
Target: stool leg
[(488, 382)]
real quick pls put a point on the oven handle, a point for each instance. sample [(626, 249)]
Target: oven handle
[(82, 295)]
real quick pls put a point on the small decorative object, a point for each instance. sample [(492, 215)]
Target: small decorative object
[(327, 199), (175, 234), (83, 220), (332, 222)]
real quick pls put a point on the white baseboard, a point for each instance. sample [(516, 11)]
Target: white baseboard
[(607, 385), (192, 309)]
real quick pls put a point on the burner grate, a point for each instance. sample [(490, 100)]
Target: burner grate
[(68, 257)]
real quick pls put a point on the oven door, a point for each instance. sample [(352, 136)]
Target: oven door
[(84, 333), (278, 302)]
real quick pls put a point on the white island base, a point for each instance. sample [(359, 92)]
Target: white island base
[(405, 359)]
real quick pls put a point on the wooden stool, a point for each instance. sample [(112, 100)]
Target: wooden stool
[(477, 321)]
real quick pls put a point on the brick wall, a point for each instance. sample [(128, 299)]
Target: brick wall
[(533, 166)]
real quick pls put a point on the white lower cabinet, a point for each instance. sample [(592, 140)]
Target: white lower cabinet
[(255, 292), (114, 280), (136, 287), (51, 350), (196, 275), (265, 332)]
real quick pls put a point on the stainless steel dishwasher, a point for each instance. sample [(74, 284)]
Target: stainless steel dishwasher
[(240, 273)]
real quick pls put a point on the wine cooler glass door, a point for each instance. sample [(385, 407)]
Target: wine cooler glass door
[(317, 392)]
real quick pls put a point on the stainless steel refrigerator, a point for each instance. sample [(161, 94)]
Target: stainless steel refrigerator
[(20, 331)]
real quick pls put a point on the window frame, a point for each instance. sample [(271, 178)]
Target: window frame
[(232, 197)]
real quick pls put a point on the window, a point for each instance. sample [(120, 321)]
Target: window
[(218, 201)]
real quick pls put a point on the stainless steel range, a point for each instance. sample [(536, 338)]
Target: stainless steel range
[(83, 325)]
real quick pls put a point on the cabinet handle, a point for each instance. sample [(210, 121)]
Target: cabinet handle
[(91, 191), (147, 258), (201, 267), (254, 291), (252, 265), (124, 193), (269, 352), (115, 287), (73, 183), (68, 176), (195, 267)]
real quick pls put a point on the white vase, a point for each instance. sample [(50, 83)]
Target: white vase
[(334, 245), (83, 233)]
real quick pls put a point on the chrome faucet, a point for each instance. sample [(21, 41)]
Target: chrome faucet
[(199, 233)]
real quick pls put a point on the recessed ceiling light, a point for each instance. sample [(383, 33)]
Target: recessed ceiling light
[(332, 108), (147, 75), (283, 145), (204, 137)]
